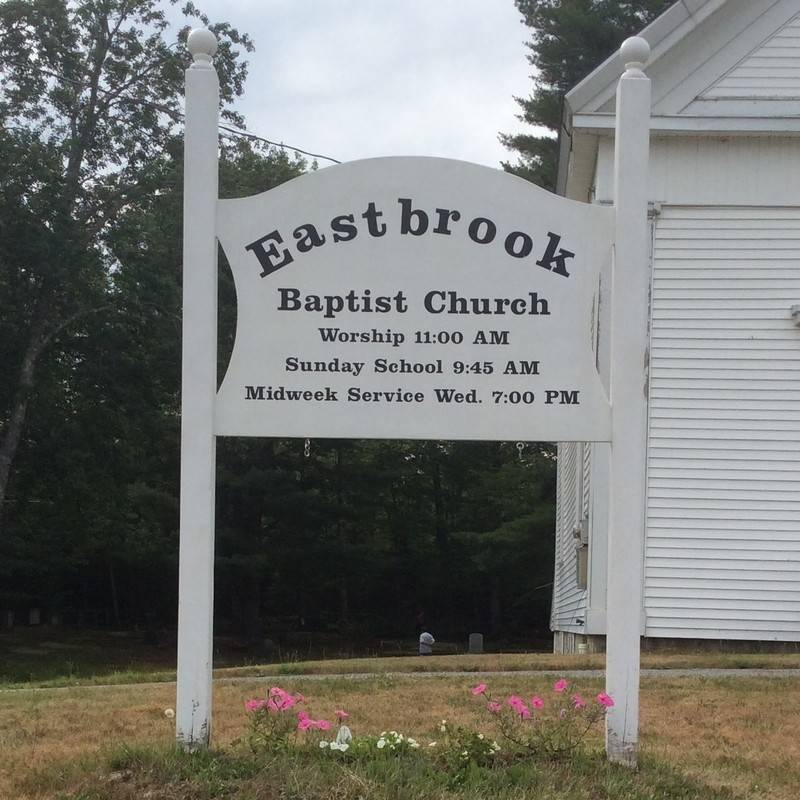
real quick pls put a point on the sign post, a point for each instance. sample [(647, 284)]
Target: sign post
[(198, 391), (629, 344)]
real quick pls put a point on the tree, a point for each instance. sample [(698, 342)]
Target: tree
[(92, 96), (94, 534), (570, 38)]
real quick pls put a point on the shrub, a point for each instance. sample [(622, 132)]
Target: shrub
[(554, 727), (461, 750), (274, 719)]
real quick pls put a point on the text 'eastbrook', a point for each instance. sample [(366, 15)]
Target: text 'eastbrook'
[(273, 252)]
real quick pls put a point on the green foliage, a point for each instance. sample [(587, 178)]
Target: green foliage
[(170, 774), (463, 752), (351, 542), (90, 237), (553, 727), (569, 39)]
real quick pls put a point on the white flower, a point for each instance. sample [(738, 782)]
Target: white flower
[(431, 744), (480, 736), (323, 744), (169, 713), (343, 746), (495, 747), (380, 744), (443, 728)]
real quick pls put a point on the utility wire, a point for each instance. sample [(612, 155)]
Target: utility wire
[(226, 128), (248, 135)]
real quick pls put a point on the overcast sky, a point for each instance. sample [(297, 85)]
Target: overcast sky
[(361, 78)]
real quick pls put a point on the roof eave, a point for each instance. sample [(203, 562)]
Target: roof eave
[(662, 34)]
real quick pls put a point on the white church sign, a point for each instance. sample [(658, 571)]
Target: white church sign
[(413, 298)]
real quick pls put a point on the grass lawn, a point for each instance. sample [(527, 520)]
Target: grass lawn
[(31, 657), (709, 739)]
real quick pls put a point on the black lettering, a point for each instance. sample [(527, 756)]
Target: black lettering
[(412, 220), (444, 217), (307, 238), (265, 255), (551, 258), (253, 392), (522, 250), (342, 231), (371, 216), (489, 233), (428, 302), (290, 300)]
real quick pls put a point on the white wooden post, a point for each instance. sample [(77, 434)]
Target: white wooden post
[(198, 392), (629, 318)]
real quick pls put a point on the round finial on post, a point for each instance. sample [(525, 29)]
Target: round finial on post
[(635, 51), (202, 44)]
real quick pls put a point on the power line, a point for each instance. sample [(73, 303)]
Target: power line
[(226, 128), (248, 135)]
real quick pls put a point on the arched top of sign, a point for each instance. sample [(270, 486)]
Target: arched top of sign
[(414, 298)]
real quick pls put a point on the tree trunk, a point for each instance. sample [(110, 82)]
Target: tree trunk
[(344, 600), (16, 423), (344, 597), (112, 582), (495, 606), (445, 595)]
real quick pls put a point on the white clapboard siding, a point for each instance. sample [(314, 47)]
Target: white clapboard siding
[(771, 72), (722, 556), (586, 450), (569, 601)]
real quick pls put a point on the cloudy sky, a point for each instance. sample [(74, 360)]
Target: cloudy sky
[(361, 78)]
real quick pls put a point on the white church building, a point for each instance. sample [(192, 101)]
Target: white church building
[(722, 515)]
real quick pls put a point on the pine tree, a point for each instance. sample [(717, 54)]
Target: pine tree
[(569, 39)]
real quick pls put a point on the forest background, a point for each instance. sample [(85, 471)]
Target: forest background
[(351, 539)]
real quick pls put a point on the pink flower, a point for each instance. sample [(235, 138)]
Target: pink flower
[(287, 702), (340, 714), (537, 702), (323, 725), (518, 704), (305, 723), (578, 701), (255, 705), (479, 689), (493, 706), (605, 700), (560, 685), (302, 714)]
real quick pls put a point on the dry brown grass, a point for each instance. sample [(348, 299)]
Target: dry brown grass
[(494, 662), (739, 733)]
